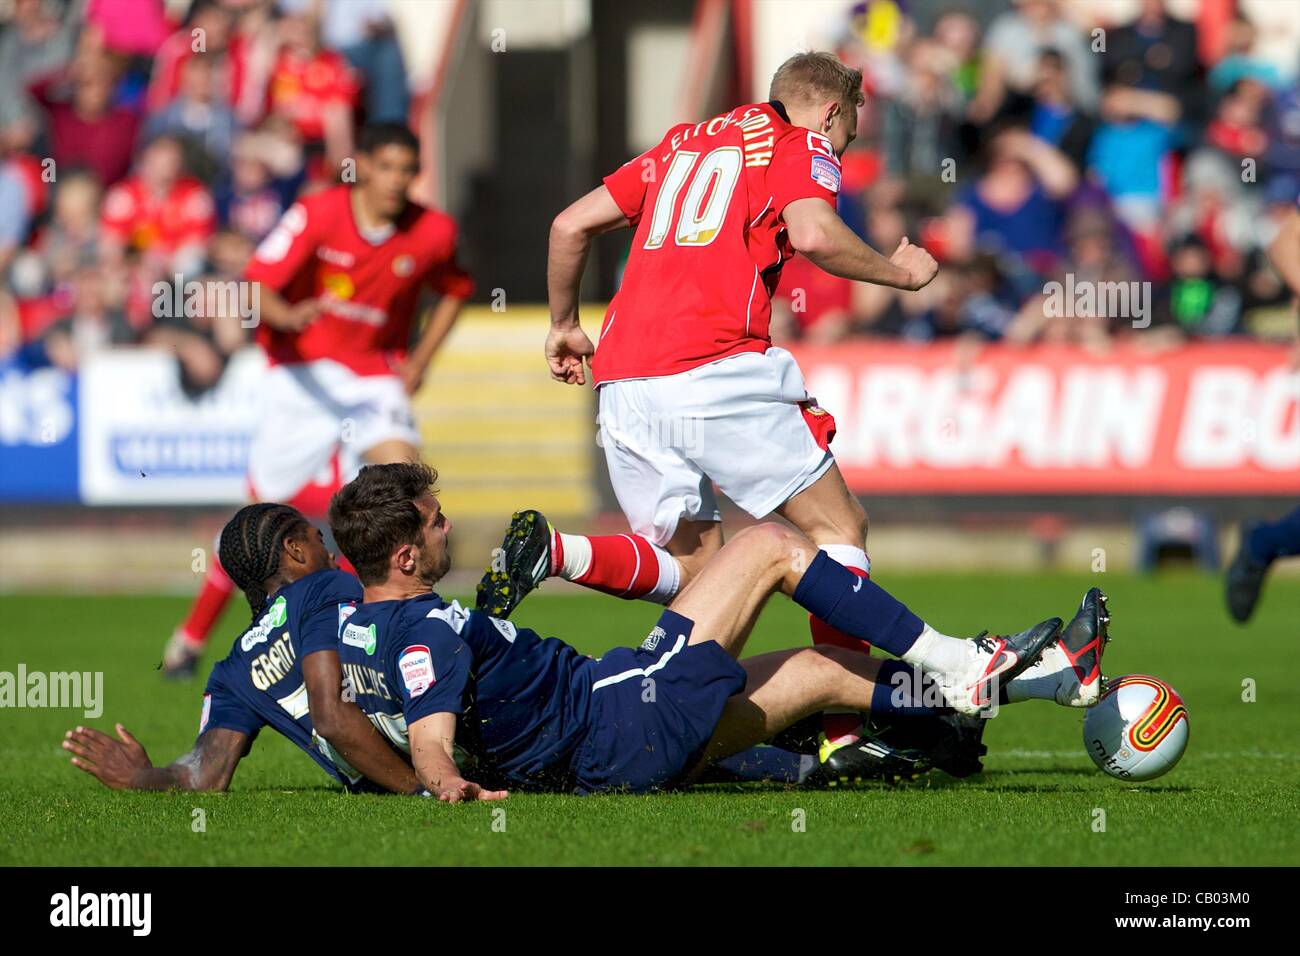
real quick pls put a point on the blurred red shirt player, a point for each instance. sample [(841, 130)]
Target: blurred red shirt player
[(339, 280)]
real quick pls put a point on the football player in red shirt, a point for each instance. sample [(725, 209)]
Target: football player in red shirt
[(161, 212), (691, 391), (339, 280)]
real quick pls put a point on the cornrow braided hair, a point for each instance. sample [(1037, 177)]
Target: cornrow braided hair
[(250, 547)]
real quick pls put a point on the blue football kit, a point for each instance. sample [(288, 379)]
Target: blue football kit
[(260, 682), (533, 713)]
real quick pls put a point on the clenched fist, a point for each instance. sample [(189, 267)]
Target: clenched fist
[(566, 350), (917, 263)]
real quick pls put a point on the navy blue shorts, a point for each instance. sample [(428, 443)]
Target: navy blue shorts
[(653, 709)]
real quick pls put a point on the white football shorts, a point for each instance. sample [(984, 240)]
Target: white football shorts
[(310, 410), (736, 422)]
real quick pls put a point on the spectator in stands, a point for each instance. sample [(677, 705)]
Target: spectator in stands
[(204, 343), (160, 212), (96, 320), (1130, 152), (128, 27), (1239, 60), (362, 31), (1011, 53), (988, 306), (37, 43), (70, 242), (1199, 301), (198, 113), (85, 128), (314, 89), (1238, 124), (16, 220), (264, 176), (1051, 111), (1157, 53), (1016, 208), (920, 126), (957, 33), (1216, 207)]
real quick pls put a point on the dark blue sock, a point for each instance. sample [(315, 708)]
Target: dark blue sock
[(1276, 539), (903, 689), (857, 606)]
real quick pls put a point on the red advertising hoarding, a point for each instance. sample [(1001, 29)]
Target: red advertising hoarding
[(1210, 418)]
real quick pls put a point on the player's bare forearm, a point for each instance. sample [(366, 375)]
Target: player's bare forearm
[(435, 332), (566, 258), (570, 242), (278, 313), (433, 741), (123, 764), (348, 730), (817, 232)]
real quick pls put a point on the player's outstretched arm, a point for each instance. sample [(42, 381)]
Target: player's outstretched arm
[(348, 730), (567, 346), (817, 232), (432, 741), (122, 764)]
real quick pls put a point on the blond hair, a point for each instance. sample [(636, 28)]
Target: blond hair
[(808, 78)]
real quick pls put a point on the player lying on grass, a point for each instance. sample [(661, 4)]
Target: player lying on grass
[(283, 672), (536, 714)]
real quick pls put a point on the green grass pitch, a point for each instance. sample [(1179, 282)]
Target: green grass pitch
[(1232, 800)]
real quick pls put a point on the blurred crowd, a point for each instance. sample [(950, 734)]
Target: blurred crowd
[(137, 147), (142, 140), (1043, 150)]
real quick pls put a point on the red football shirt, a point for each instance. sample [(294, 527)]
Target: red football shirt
[(300, 89), (158, 224), (710, 241), (369, 291)]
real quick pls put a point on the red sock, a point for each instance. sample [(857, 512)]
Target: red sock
[(836, 726), (208, 605), (624, 565)]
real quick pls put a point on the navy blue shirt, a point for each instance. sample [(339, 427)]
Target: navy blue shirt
[(260, 683), (521, 700)]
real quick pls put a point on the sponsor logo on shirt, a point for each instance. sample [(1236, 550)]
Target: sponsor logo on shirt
[(339, 284), (825, 173), (354, 635), (507, 629), (345, 612), (344, 259), (652, 640), (416, 668), (274, 617)]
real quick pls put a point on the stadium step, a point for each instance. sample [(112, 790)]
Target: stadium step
[(502, 435)]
